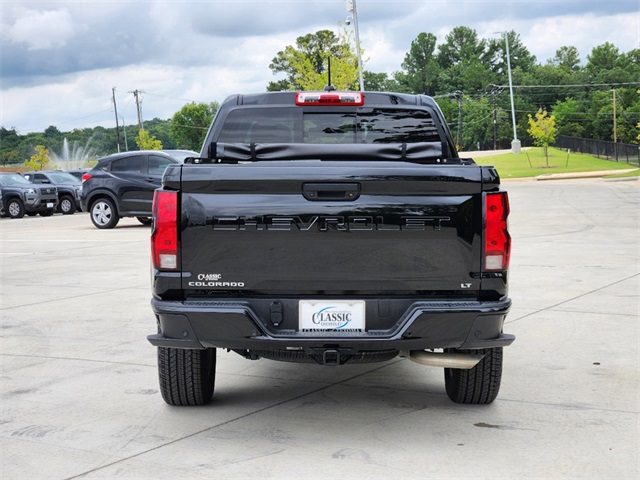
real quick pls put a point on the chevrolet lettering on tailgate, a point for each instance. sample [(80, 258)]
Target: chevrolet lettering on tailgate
[(327, 223)]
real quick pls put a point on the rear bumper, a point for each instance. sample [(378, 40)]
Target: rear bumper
[(237, 325)]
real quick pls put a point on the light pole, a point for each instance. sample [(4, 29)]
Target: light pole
[(515, 143), (353, 10)]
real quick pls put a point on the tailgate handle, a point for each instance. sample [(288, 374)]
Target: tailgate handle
[(331, 191)]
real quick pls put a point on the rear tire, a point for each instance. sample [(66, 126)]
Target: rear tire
[(478, 385), (187, 377), (67, 205), (144, 220), (104, 214)]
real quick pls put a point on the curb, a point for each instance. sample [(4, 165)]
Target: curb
[(581, 175)]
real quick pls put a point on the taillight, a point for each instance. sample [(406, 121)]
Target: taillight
[(497, 241), (164, 237), (330, 98), (85, 177)]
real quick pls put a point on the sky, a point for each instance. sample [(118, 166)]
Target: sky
[(60, 60)]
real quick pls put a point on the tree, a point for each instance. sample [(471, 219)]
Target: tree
[(420, 65), (602, 59), (147, 142), (628, 111), (466, 62), (570, 120), (39, 160), (520, 56), (306, 64), (9, 141), (478, 123), (461, 46), (543, 130), (189, 125), (380, 82), (567, 58), (638, 125), (161, 129)]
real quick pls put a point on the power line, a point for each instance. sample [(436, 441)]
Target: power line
[(86, 116), (172, 98), (189, 126), (574, 86), (484, 93)]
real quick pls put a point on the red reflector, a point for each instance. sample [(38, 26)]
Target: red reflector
[(497, 241), (85, 177), (164, 237), (330, 98)]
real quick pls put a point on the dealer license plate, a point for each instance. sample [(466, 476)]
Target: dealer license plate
[(49, 205), (332, 316)]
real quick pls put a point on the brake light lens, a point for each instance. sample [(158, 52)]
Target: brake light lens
[(85, 177), (164, 237), (330, 98), (497, 241)]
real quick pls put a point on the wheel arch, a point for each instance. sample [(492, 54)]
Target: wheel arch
[(10, 196)]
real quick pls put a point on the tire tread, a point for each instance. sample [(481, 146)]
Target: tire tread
[(478, 385), (186, 376)]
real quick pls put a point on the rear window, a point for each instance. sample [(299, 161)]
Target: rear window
[(157, 165), (127, 164), (366, 125)]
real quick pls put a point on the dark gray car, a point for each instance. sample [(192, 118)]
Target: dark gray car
[(122, 185)]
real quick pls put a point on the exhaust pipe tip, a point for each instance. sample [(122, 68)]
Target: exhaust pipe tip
[(461, 361)]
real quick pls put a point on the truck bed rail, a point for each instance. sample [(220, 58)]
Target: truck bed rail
[(430, 153)]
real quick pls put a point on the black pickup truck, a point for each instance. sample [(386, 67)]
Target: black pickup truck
[(330, 228)]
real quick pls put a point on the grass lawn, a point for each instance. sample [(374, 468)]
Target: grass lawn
[(532, 162)]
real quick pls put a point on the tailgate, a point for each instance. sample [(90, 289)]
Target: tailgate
[(341, 228)]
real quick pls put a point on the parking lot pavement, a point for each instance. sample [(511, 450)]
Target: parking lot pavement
[(80, 396)]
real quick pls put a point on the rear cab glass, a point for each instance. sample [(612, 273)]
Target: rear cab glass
[(332, 125)]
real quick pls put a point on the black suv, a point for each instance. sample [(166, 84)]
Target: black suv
[(122, 185), (19, 196), (69, 188)]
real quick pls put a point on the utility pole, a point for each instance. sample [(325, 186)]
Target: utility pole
[(115, 108), (495, 90), (458, 97), (135, 94), (615, 127)]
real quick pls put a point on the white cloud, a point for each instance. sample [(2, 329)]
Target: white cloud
[(41, 30), (621, 30), (61, 58), (544, 36)]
